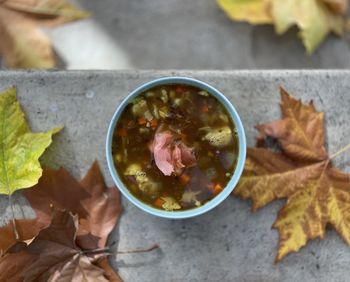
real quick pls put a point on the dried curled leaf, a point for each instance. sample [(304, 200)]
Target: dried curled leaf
[(98, 206), (317, 193), (57, 258), (26, 229), (21, 149), (104, 207), (22, 43)]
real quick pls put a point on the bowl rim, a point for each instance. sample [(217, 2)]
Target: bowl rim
[(241, 155)]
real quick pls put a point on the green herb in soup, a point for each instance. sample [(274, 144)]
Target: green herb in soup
[(175, 147)]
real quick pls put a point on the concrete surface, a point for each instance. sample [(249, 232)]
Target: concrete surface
[(226, 244), (183, 34)]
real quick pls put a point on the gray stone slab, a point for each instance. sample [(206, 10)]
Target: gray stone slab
[(226, 244)]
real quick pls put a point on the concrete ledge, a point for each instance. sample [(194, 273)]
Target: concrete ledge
[(227, 244)]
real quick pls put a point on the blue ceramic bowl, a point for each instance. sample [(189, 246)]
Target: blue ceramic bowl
[(241, 156)]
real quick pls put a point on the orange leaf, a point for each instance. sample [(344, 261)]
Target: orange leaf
[(316, 192)]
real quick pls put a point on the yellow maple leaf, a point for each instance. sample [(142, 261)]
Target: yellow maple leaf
[(20, 148), (252, 11), (317, 193), (315, 18), (22, 43)]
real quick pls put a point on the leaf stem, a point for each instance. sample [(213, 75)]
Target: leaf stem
[(155, 246), (342, 150), (107, 251), (13, 219)]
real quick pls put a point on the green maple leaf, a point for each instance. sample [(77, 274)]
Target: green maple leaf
[(20, 148)]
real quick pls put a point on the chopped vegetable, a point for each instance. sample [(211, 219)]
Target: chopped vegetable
[(118, 158), (224, 117), (178, 102), (203, 93), (197, 203), (145, 183), (189, 196), (219, 137), (154, 123), (144, 130), (122, 132), (172, 94), (139, 107), (205, 109), (156, 112), (150, 94), (159, 202), (170, 204), (148, 116), (184, 179), (164, 96), (217, 189), (179, 89), (142, 121)]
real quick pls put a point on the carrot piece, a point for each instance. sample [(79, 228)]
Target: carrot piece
[(154, 123), (205, 109), (142, 121), (122, 132), (159, 202), (184, 179), (179, 89), (217, 189)]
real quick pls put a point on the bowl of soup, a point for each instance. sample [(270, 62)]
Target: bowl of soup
[(176, 147)]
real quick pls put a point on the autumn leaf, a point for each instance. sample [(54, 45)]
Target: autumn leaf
[(104, 206), (317, 193), (315, 18), (338, 6), (21, 149), (22, 43), (14, 261), (252, 11), (57, 258), (56, 188), (26, 229), (98, 206)]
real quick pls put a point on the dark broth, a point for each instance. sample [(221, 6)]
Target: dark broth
[(202, 123)]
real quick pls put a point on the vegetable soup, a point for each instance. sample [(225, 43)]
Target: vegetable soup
[(175, 147)]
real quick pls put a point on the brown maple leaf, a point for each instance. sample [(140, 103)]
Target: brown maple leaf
[(51, 191), (22, 43), (14, 261), (104, 206), (53, 255), (26, 229), (317, 193), (97, 206)]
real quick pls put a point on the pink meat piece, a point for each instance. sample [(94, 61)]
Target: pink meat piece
[(170, 156)]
